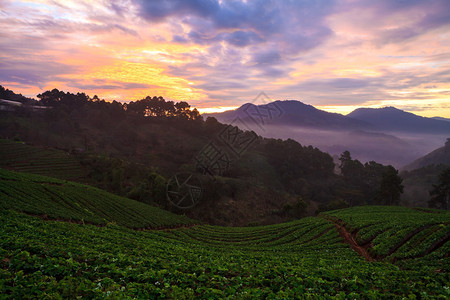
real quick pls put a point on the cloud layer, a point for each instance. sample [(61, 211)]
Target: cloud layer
[(329, 53)]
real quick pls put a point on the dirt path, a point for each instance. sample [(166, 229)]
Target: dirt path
[(347, 236)]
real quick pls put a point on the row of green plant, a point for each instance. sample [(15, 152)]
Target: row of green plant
[(58, 199), (46, 259), (50, 162), (397, 232)]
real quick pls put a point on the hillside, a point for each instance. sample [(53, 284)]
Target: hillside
[(38, 160), (418, 183), (441, 119), (392, 119), (439, 156), (52, 198), (363, 252), (420, 175), (398, 234), (133, 149)]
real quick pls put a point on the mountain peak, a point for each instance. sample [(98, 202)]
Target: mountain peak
[(394, 119), (296, 113), (386, 109)]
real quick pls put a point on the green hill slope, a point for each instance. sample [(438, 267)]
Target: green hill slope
[(58, 199), (439, 156), (49, 162), (305, 258), (366, 252), (399, 234)]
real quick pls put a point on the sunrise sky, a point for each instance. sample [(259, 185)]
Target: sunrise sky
[(334, 54)]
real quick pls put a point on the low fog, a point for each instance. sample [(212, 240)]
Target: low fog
[(394, 148)]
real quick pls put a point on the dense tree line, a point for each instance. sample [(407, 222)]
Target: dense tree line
[(10, 95), (296, 164), (369, 183), (156, 107)]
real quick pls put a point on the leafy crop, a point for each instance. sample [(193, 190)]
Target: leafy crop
[(58, 199), (56, 259), (399, 233), (48, 162), (306, 258)]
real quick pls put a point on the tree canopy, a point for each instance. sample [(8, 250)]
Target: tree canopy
[(151, 107), (390, 187), (10, 95), (441, 191)]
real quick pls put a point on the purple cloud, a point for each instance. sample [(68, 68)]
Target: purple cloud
[(159, 10), (296, 25)]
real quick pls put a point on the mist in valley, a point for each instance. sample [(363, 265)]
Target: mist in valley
[(394, 148)]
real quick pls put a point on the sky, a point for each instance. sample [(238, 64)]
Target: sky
[(219, 54)]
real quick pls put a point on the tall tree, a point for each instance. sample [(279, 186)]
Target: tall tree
[(441, 192), (390, 187), (352, 170)]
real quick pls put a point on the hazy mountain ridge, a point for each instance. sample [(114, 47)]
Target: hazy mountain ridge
[(293, 113), (387, 135), (394, 119), (440, 156), (441, 119), (421, 174)]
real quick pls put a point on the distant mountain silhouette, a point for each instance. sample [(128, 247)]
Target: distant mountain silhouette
[(387, 135), (393, 119), (291, 113), (437, 157), (441, 119)]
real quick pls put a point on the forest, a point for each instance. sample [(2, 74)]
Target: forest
[(132, 149)]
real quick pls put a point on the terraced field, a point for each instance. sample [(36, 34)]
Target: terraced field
[(25, 158), (397, 234), (62, 200), (307, 258)]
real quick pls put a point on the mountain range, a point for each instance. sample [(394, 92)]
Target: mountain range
[(387, 135), (393, 119), (291, 113)]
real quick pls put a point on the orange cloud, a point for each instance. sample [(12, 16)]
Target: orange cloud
[(358, 54)]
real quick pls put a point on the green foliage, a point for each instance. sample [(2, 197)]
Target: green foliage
[(401, 233), (57, 199), (152, 190), (333, 205), (441, 192), (352, 170), (305, 258), (299, 168), (297, 209), (49, 162), (390, 187), (369, 183), (417, 184)]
